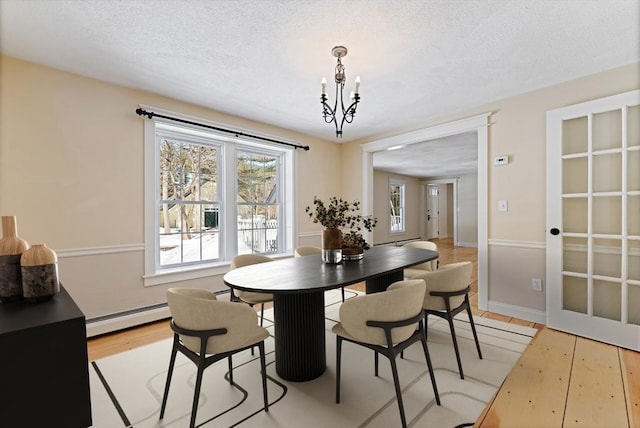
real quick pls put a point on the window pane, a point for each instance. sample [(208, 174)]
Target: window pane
[(607, 130), (607, 257), (607, 215), (574, 294), (574, 135), (574, 255), (258, 203), (188, 176), (606, 299), (607, 173)]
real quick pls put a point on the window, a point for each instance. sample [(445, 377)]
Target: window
[(210, 197), (396, 204)]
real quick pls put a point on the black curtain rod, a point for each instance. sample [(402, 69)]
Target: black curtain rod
[(150, 115)]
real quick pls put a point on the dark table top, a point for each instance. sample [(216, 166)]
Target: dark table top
[(310, 274)]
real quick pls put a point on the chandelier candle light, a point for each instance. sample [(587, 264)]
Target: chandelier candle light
[(348, 113)]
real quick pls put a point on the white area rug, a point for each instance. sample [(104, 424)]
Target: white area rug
[(126, 389)]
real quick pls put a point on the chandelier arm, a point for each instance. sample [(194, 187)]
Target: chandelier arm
[(351, 110), (328, 113)]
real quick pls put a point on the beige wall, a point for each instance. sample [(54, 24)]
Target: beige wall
[(71, 170)]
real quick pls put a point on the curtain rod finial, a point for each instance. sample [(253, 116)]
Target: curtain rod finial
[(142, 112)]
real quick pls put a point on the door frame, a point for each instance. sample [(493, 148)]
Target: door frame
[(478, 124), (454, 183)]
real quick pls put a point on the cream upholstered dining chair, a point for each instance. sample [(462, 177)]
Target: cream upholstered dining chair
[(207, 330), (251, 297), (386, 322), (431, 265), (308, 251), (447, 295)]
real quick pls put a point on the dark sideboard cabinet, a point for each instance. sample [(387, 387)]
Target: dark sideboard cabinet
[(44, 369)]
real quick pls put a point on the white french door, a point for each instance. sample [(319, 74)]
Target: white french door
[(593, 219)]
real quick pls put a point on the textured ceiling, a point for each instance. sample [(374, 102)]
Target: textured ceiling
[(263, 60)]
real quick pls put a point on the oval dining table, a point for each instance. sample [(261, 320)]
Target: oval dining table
[(298, 285)]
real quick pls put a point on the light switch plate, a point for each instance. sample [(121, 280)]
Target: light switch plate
[(503, 205)]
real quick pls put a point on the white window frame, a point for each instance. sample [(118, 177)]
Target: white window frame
[(394, 182), (228, 145)]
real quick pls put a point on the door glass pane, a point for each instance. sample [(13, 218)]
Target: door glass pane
[(634, 305), (574, 215), (574, 294), (633, 170), (607, 257), (607, 215), (633, 126), (607, 173), (607, 130), (606, 299), (633, 215), (574, 255), (574, 135), (574, 175), (633, 266)]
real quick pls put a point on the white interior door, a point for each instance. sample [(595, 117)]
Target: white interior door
[(593, 219), (433, 212)]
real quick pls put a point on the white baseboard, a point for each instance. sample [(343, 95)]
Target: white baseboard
[(527, 314), (95, 328), (467, 244)]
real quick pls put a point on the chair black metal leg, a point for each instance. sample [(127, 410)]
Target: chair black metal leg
[(425, 348), (261, 314), (396, 382), (455, 344), (338, 366), (375, 359), (231, 369), (473, 329), (196, 394), (172, 362), (343, 294), (263, 368)]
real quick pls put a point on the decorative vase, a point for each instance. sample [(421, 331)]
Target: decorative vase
[(11, 249), (39, 273), (331, 245), (352, 253)]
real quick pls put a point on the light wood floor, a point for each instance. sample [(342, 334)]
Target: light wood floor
[(560, 381)]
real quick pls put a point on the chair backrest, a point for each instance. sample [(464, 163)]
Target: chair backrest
[(451, 277), (248, 259), (307, 251), (401, 301), (198, 309), (424, 245)]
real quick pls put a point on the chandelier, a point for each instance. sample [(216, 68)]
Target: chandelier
[(329, 113)]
